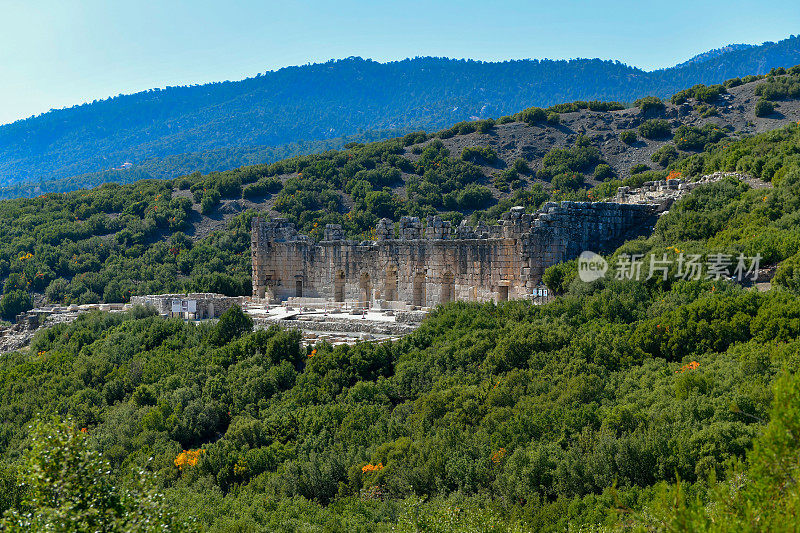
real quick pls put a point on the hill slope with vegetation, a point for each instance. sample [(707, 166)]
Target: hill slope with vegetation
[(192, 233), (659, 404), (222, 125), (665, 404)]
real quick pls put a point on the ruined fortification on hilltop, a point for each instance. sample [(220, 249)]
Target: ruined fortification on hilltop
[(438, 263)]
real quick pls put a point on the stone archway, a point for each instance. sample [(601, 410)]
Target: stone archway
[(338, 286)]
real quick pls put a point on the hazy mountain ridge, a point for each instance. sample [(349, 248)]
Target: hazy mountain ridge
[(340, 98), (716, 52)]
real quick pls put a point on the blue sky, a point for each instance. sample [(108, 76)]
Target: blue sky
[(60, 53)]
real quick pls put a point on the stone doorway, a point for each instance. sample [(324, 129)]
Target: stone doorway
[(390, 291), (448, 287), (502, 293), (365, 286), (338, 287), (418, 294)]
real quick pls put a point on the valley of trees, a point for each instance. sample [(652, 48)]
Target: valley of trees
[(261, 119)]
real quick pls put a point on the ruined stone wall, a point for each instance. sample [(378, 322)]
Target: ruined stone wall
[(435, 264), (208, 305), (666, 192)]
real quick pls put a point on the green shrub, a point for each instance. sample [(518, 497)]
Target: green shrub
[(503, 180), (788, 274), (262, 187), (553, 118), (474, 197), (479, 154), (227, 185), (558, 277), (531, 116), (779, 88), (693, 138), (649, 104), (657, 128), (210, 200), (521, 166), (764, 108), (69, 488), (464, 128), (15, 302), (415, 138), (581, 157), (568, 181), (638, 169), (665, 155), (706, 110), (232, 324), (595, 105), (628, 137), (484, 126), (733, 82), (603, 172), (699, 92)]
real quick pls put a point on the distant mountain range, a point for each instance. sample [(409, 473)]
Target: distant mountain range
[(296, 110)]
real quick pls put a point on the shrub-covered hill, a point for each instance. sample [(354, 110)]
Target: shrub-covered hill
[(622, 404), (192, 233), (650, 134), (226, 124), (651, 405)]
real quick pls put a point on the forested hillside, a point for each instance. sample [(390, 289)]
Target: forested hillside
[(666, 404), (630, 405), (192, 233), (230, 122)]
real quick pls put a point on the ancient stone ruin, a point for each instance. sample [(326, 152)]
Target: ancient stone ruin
[(194, 306), (664, 193), (418, 266)]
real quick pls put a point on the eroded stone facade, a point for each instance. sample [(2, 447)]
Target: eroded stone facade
[(437, 263)]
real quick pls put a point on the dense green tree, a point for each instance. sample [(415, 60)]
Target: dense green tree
[(232, 324), (628, 137), (14, 303), (649, 104), (67, 488), (656, 128), (764, 108)]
